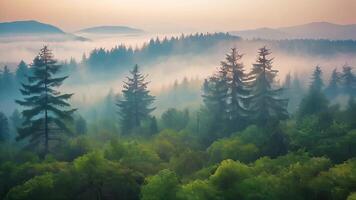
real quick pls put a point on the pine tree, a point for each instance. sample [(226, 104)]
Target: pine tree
[(16, 121), (237, 89), (265, 103), (153, 125), (215, 95), (4, 127), (295, 94), (21, 72), (332, 89), (136, 103), (81, 126), (315, 100), (45, 117), (7, 81), (348, 81)]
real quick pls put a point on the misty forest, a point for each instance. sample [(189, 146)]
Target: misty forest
[(117, 123)]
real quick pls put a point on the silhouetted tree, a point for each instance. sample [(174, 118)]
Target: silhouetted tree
[(315, 101), (153, 125), (348, 81), (237, 90), (45, 117), (22, 72), (136, 103), (4, 127), (215, 95), (16, 121), (266, 103), (81, 126), (332, 90), (174, 119)]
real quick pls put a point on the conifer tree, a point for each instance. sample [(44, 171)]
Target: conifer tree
[(332, 89), (21, 72), (237, 89), (81, 126), (215, 95), (4, 127), (136, 103), (348, 81), (315, 100), (265, 103), (47, 109), (7, 82)]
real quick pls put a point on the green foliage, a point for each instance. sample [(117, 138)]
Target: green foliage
[(352, 196), (188, 162), (39, 187), (162, 186), (174, 119), (232, 148), (199, 190)]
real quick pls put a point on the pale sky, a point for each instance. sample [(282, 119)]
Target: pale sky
[(179, 15)]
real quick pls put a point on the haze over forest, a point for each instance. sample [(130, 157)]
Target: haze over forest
[(177, 100)]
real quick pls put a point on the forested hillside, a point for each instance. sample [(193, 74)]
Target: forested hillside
[(243, 132)]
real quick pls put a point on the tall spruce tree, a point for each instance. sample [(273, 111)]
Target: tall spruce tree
[(4, 127), (315, 100), (266, 102), (21, 72), (348, 81), (215, 95), (332, 90), (136, 103), (45, 118), (237, 89)]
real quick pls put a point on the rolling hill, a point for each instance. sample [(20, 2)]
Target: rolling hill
[(314, 30)]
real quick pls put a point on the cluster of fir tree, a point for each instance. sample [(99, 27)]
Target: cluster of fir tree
[(235, 98), (11, 81)]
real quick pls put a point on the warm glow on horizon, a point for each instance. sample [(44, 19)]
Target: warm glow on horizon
[(178, 15)]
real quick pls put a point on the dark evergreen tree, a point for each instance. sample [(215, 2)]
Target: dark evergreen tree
[(332, 90), (266, 102), (215, 95), (4, 127), (348, 81), (153, 125), (293, 91), (237, 90), (45, 118), (16, 121), (21, 72), (81, 126), (7, 76), (287, 82), (174, 119), (136, 103), (315, 101), (7, 82)]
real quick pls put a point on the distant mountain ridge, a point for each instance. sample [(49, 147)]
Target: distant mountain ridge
[(111, 30), (28, 27), (34, 30), (314, 30)]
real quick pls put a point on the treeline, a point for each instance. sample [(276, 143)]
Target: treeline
[(123, 57), (240, 144), (322, 47), (10, 81)]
